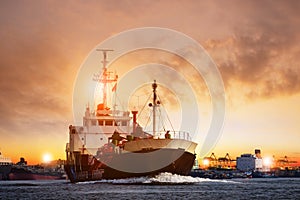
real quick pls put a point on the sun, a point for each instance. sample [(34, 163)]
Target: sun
[(47, 158), (267, 161)]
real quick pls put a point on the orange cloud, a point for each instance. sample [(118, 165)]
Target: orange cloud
[(255, 45)]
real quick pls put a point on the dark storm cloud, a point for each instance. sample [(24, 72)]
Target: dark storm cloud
[(262, 53), (36, 46)]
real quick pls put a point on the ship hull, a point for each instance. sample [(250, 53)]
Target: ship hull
[(4, 171), (126, 165), (23, 174), (32, 176)]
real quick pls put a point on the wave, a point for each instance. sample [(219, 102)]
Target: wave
[(21, 183), (164, 178)]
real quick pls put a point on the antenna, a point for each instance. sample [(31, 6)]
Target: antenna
[(155, 103), (104, 61), (106, 76)]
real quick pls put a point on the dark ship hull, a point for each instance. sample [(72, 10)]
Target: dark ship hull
[(22, 173), (126, 165), (4, 171)]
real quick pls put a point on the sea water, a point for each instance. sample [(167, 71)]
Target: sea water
[(163, 186)]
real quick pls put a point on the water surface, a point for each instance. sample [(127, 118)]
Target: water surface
[(164, 186)]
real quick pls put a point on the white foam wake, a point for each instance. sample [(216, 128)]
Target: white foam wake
[(174, 178), (162, 178)]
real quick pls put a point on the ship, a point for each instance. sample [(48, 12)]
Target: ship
[(5, 167), (22, 171), (111, 143)]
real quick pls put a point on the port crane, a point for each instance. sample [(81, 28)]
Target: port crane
[(284, 162)]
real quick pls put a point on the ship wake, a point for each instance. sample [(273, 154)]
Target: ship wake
[(160, 179)]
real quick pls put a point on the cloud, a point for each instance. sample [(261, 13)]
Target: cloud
[(263, 54), (33, 80), (254, 43)]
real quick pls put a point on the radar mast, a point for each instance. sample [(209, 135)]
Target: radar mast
[(106, 76)]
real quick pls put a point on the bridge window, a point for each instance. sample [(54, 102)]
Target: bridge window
[(109, 122)]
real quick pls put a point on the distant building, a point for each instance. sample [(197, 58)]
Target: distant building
[(246, 162), (258, 160), (258, 164), (249, 162)]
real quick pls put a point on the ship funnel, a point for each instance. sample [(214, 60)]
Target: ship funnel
[(134, 113)]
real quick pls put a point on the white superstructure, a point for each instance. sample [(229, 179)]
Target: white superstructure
[(4, 160), (99, 125)]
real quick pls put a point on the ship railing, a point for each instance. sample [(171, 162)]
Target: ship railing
[(183, 135), (5, 163), (113, 113), (4, 159)]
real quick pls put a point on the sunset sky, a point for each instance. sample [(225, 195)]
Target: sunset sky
[(255, 45)]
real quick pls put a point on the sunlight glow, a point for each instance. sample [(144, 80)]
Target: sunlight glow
[(47, 158), (267, 161), (205, 162)]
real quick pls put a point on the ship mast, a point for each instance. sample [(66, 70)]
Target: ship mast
[(155, 103), (106, 76)]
